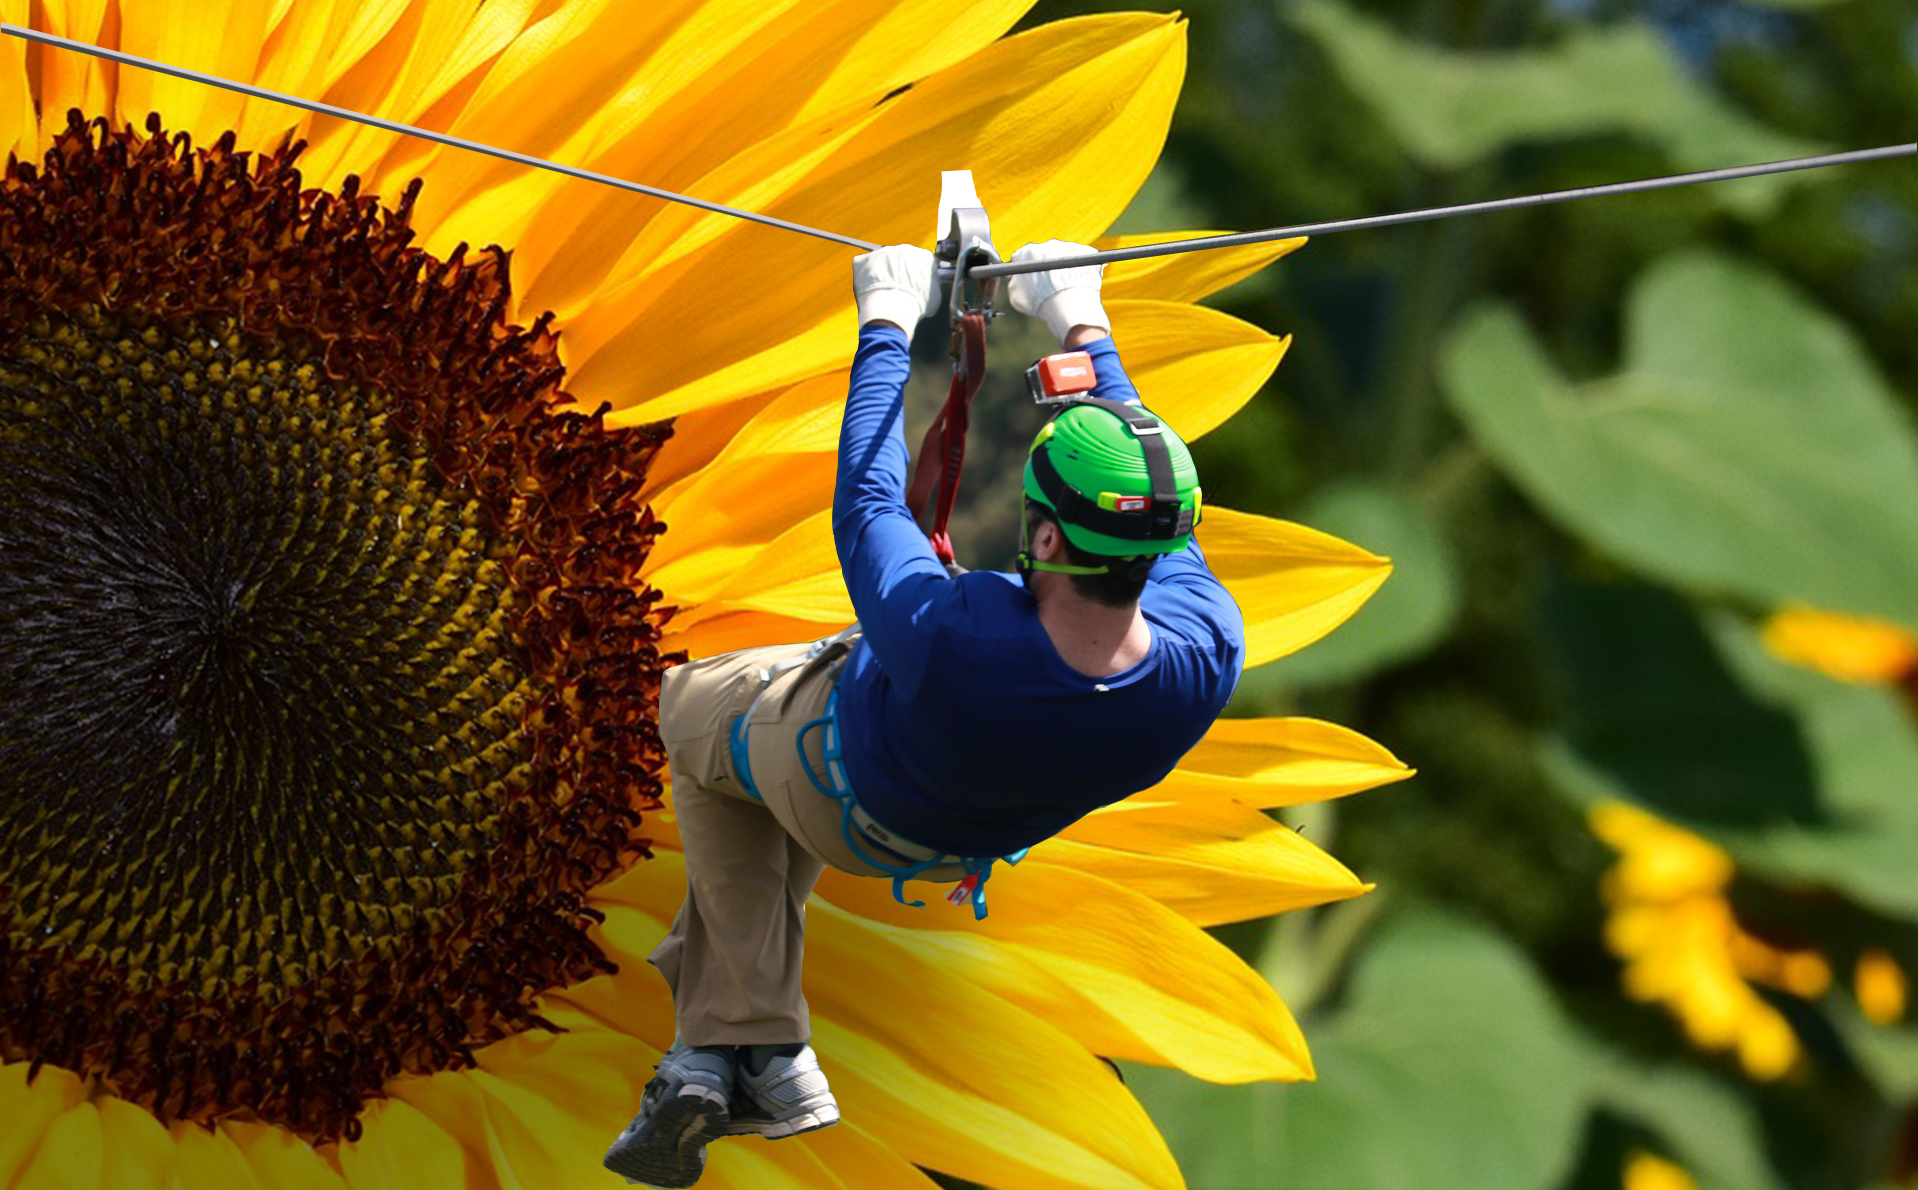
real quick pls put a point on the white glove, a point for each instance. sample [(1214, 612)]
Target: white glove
[(1065, 298), (895, 284)]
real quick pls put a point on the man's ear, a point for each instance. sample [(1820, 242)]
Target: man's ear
[(1047, 540)]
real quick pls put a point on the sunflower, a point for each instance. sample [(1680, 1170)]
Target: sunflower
[(1861, 649), (1672, 923), (339, 562)]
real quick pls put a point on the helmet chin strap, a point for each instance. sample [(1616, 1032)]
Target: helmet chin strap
[(1028, 563)]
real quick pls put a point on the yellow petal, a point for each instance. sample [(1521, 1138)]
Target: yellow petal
[(432, 48), (935, 1078), (796, 575), (401, 1149), (777, 471), (580, 59), (137, 1151), (739, 73), (1881, 987), (1278, 762), (1093, 958), (670, 100), (1193, 366), (745, 629), (202, 1158), (69, 78), (1294, 584), (19, 128), (72, 1153), (1850, 648), (1221, 880), (281, 1160), (1184, 276), (29, 1110), (1061, 158), (858, 1159), (223, 38), (555, 1101), (1644, 1171), (296, 61)]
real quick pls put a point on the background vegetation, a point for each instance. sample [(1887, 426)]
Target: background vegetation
[(1605, 442)]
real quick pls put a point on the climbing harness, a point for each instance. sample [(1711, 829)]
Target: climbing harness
[(855, 823), (913, 859), (966, 247)]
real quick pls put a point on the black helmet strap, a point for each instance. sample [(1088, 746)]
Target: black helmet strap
[(1160, 520)]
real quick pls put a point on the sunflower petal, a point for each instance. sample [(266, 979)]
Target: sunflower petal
[(1193, 366), (29, 1109), (1278, 762), (732, 75), (555, 1101), (72, 1154), (402, 1149), (1222, 879), (796, 575), (1085, 140), (936, 1078), (858, 1159), (281, 1160), (202, 1158), (295, 61), (1295, 584), (69, 79), (578, 59), (777, 470), (1090, 956), (744, 629), (19, 127), (433, 47), (223, 38), (137, 1149), (1184, 276)]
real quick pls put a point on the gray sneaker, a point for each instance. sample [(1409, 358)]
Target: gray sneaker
[(685, 1106), (787, 1098)]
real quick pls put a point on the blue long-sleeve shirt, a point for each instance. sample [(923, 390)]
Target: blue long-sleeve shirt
[(963, 728)]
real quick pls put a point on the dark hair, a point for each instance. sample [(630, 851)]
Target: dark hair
[(1115, 587)]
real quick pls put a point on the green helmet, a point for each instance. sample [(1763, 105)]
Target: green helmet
[(1120, 482)]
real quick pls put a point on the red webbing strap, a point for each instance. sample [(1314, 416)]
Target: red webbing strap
[(943, 453)]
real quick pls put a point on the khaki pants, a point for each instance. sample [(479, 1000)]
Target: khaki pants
[(734, 954)]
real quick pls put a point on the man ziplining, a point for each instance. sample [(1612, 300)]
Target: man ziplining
[(963, 718)]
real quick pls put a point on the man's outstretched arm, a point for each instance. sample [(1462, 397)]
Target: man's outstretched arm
[(890, 569)]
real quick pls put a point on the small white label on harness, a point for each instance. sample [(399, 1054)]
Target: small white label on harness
[(1102, 688)]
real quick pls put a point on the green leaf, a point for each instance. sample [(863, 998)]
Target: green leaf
[(1414, 608), (1888, 1053), (1747, 446), (1865, 751), (1449, 1068), (1449, 109), (1713, 1132), (1656, 710), (1805, 780)]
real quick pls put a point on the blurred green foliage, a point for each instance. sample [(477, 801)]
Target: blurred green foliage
[(1603, 440)]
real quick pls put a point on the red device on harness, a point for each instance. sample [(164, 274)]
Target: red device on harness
[(1056, 378)]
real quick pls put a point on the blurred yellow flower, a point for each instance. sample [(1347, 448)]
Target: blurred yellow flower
[(1849, 648), (1671, 924), (336, 885), (1645, 1171), (1883, 990)]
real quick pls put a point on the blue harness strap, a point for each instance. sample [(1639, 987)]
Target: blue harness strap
[(978, 870)]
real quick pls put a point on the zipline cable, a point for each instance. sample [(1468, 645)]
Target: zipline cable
[(1200, 244), (987, 272), (439, 137)]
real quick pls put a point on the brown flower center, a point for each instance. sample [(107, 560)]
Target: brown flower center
[(329, 682)]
